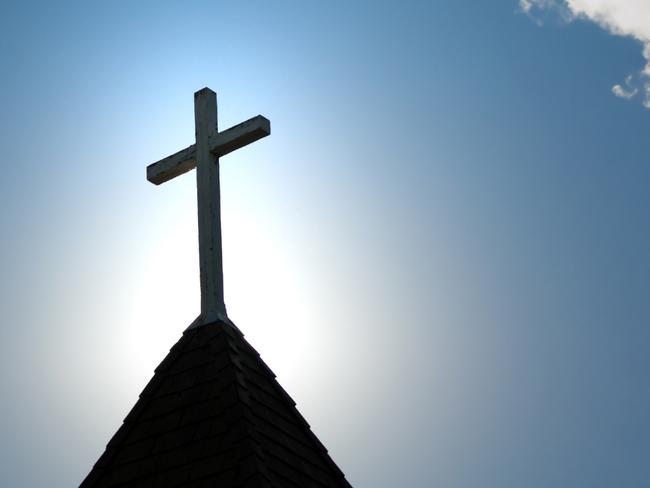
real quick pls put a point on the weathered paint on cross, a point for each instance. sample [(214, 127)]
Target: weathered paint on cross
[(204, 156)]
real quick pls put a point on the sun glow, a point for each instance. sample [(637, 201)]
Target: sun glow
[(165, 294), (262, 292), (264, 295)]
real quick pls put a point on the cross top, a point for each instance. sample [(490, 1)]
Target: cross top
[(204, 156)]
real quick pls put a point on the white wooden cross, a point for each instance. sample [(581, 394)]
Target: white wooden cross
[(204, 156)]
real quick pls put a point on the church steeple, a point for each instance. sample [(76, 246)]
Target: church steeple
[(213, 414)]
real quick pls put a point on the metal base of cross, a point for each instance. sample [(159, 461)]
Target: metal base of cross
[(211, 318)]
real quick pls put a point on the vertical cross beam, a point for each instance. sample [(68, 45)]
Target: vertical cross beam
[(204, 155), (209, 209)]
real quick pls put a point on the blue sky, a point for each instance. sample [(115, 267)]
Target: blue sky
[(442, 250)]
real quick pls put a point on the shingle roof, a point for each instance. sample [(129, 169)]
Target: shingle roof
[(214, 415)]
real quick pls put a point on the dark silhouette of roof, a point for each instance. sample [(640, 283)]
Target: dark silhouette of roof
[(213, 415)]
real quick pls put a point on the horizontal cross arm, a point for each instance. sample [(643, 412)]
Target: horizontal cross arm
[(222, 143), (240, 135), (172, 166)]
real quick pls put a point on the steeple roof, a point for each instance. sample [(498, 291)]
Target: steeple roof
[(213, 415)]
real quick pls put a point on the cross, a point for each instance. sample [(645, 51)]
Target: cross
[(204, 156)]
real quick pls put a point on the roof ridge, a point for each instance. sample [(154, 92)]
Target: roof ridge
[(245, 409), (144, 399), (304, 425)]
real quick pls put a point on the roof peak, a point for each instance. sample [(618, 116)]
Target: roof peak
[(214, 413)]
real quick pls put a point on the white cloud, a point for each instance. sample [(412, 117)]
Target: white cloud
[(536, 10), (628, 91), (646, 100), (630, 18)]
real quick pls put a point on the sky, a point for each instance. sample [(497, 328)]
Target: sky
[(442, 250)]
